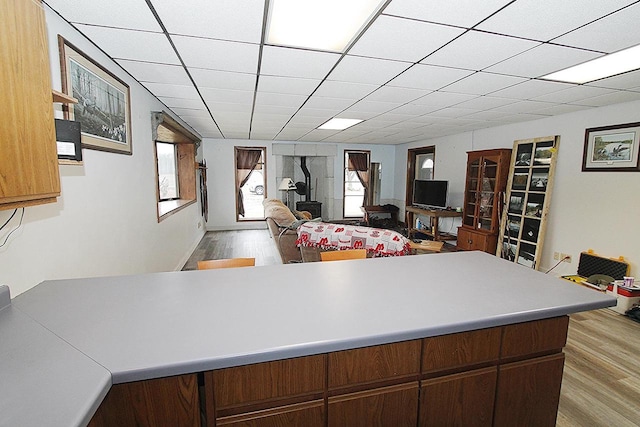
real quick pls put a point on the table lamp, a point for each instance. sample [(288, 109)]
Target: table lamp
[(287, 185)]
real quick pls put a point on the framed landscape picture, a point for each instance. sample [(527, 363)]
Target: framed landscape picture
[(103, 108), (612, 148)]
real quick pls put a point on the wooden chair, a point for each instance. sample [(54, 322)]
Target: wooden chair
[(426, 246), (226, 263), (345, 254)]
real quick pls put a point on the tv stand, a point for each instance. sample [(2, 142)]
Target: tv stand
[(434, 215)]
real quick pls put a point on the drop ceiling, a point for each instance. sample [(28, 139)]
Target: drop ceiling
[(422, 69)]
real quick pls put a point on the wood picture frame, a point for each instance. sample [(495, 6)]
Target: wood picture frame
[(612, 148), (103, 107), (524, 217)]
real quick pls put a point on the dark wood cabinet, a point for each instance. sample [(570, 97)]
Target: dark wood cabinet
[(501, 376), (486, 180)]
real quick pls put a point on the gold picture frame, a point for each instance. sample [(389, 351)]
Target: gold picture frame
[(103, 107)]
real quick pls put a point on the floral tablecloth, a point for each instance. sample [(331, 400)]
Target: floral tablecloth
[(342, 236)]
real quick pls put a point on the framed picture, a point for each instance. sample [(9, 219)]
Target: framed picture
[(103, 108), (612, 148)]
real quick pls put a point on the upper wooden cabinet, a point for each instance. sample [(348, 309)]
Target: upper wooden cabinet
[(29, 172), (486, 180)]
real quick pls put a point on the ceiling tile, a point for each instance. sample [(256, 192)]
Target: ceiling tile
[(217, 55), (464, 13), (187, 112), (630, 80), (130, 44), (557, 109), (483, 83), (366, 70), (486, 102), (223, 79), (531, 88), (572, 94), (182, 103), (395, 38), (610, 98), (174, 91), (282, 61), (156, 73), (524, 107), (546, 19), (452, 112), (130, 14), (542, 60), (428, 77), (218, 108), (344, 90), (287, 85), (280, 99), (399, 95), (333, 104), (597, 35), (443, 99), (477, 50), (239, 20), (227, 95)]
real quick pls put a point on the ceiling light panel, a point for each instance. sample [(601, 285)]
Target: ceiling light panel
[(134, 15), (605, 66), (305, 24), (476, 50), (464, 13), (239, 20), (544, 20), (397, 39), (217, 54), (280, 61), (130, 44)]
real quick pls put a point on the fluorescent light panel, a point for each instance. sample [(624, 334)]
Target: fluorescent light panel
[(328, 25), (339, 124), (599, 68)]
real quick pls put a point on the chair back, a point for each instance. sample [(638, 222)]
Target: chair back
[(226, 263), (344, 254)]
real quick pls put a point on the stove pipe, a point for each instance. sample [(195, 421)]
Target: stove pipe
[(307, 179)]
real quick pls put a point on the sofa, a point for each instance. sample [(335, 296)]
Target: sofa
[(282, 224)]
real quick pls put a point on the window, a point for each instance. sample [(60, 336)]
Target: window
[(356, 183), (250, 183), (167, 171), (175, 164)]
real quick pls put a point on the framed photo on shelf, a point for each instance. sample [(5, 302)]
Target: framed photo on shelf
[(612, 148), (103, 107)]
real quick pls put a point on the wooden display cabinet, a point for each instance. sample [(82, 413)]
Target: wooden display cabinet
[(29, 160), (486, 180)]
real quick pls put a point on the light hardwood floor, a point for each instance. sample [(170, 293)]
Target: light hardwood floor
[(601, 382)]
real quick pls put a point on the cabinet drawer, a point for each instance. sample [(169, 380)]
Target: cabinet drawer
[(268, 381), (462, 399), (376, 363), (460, 350), (537, 337), (308, 414), (388, 406)]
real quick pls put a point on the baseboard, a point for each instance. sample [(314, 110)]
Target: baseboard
[(260, 225), (186, 257)]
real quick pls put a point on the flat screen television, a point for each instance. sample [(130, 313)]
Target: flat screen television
[(430, 193)]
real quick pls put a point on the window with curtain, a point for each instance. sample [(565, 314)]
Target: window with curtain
[(357, 188), (250, 181)]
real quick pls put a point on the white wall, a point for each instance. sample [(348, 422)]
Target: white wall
[(105, 222), (220, 178), (589, 210)]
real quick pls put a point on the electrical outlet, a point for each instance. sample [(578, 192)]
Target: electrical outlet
[(199, 224), (565, 258), (556, 256)]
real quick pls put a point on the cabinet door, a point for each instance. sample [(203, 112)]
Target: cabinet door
[(464, 399), (470, 241), (487, 195), (395, 406), (170, 402), (309, 414), (474, 169), (529, 392), (29, 160)]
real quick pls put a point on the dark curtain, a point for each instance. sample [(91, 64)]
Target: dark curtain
[(359, 162), (246, 162)]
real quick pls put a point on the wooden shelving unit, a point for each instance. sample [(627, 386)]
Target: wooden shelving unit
[(434, 215)]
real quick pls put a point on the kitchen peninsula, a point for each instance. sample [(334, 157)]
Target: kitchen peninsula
[(309, 343)]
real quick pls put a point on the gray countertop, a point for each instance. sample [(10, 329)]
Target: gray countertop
[(154, 325)]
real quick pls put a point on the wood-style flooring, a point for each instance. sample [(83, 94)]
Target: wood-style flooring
[(601, 382)]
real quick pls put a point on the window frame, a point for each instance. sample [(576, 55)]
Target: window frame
[(263, 169), (344, 180), (177, 173), (168, 130)]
